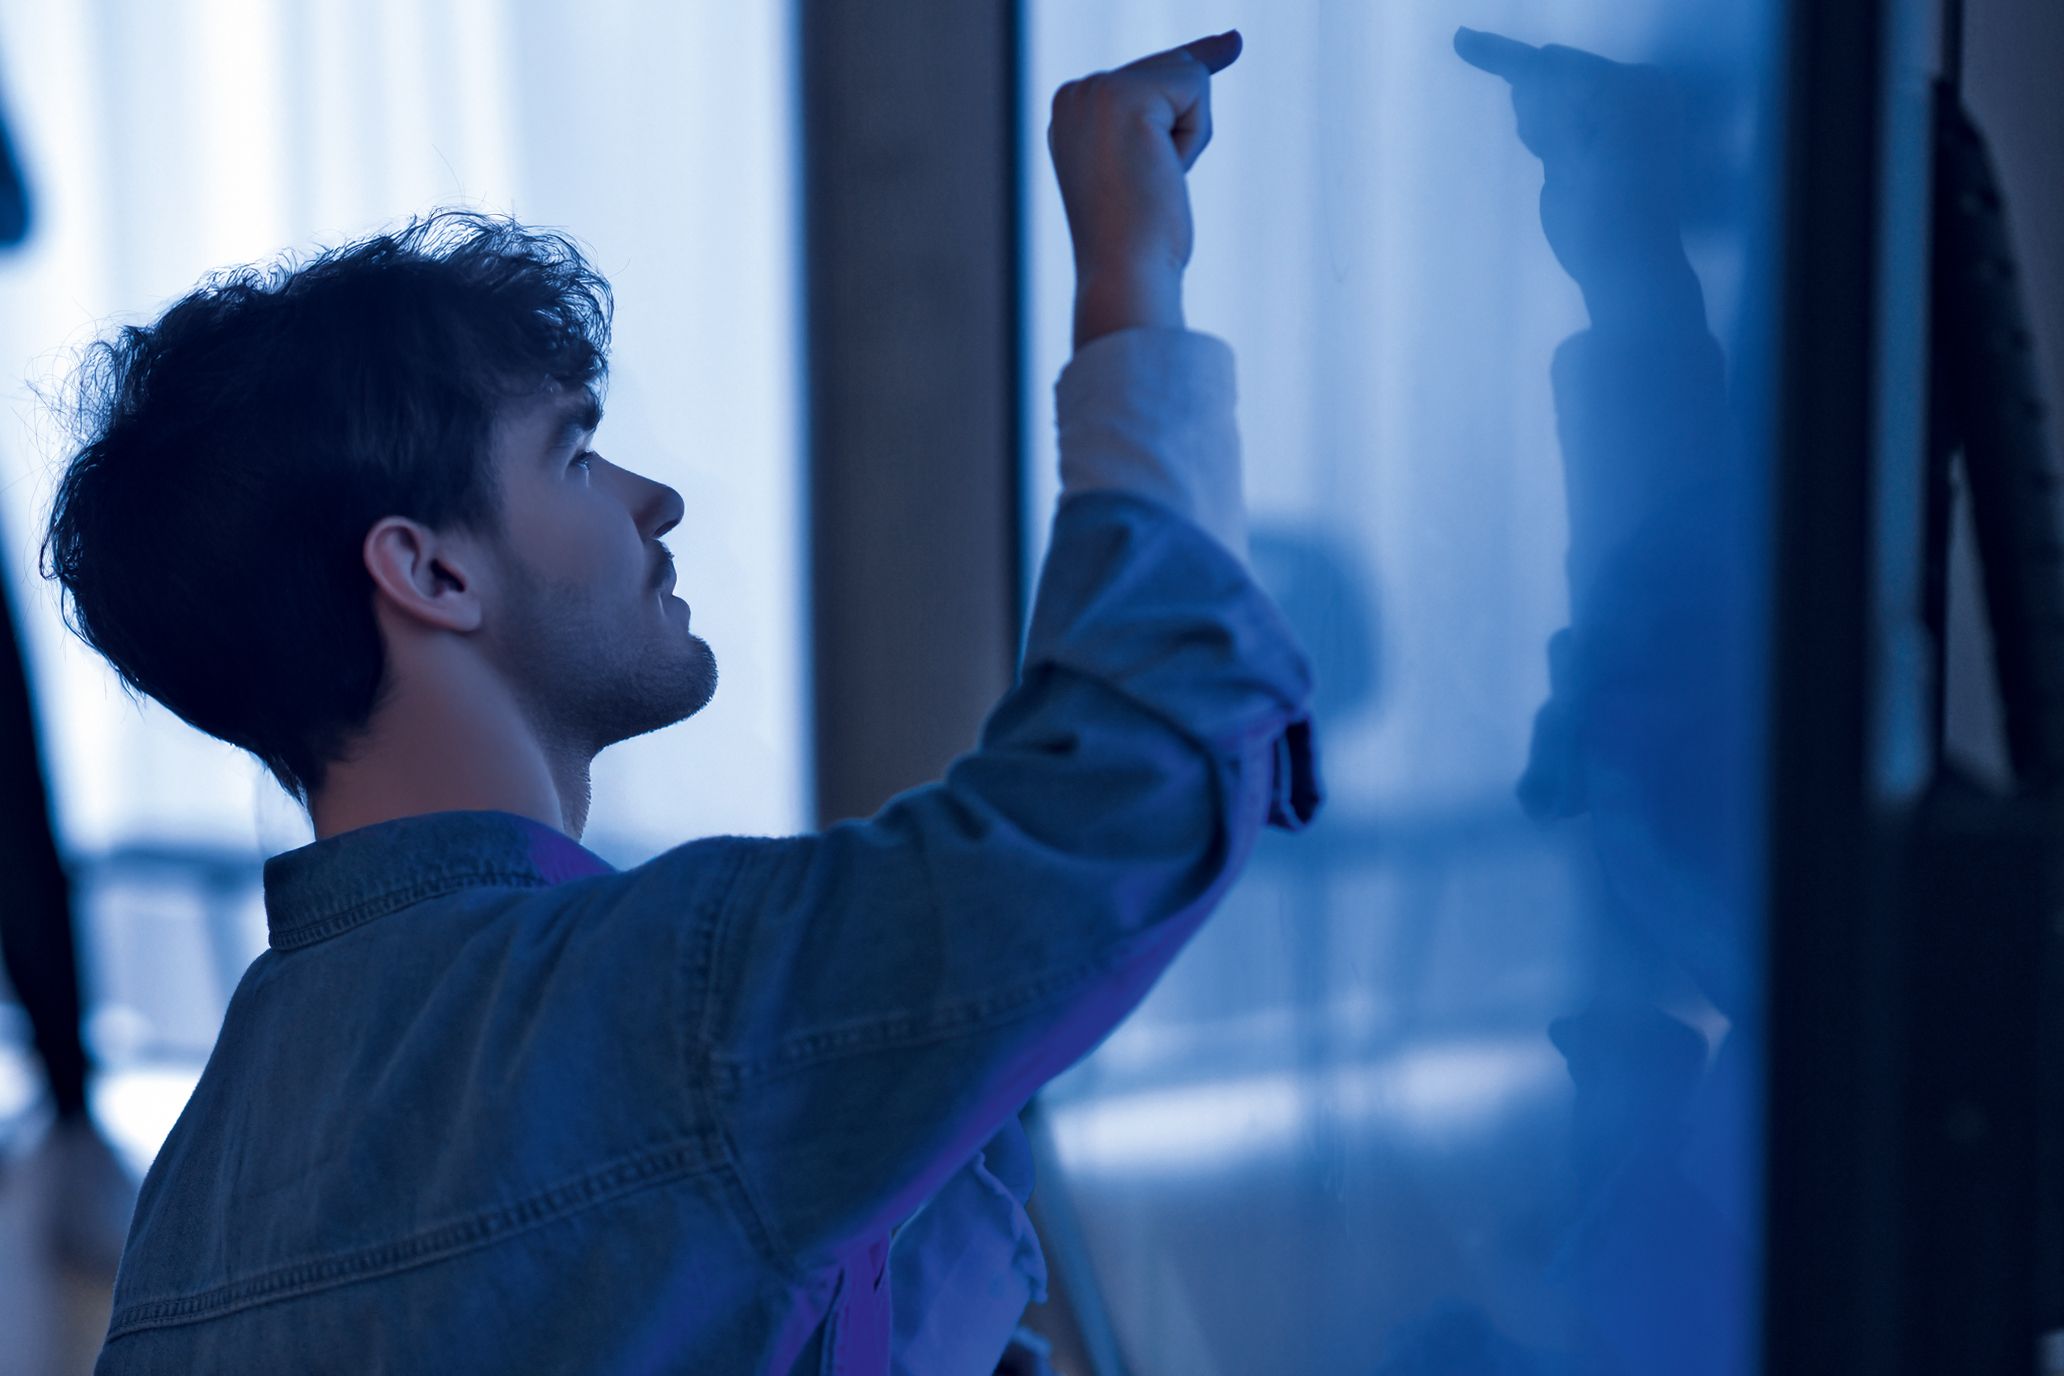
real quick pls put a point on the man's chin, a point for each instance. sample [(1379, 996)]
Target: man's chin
[(705, 673)]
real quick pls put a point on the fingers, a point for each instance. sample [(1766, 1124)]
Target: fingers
[(1496, 54), (1182, 78)]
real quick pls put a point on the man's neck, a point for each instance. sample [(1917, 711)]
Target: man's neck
[(433, 761)]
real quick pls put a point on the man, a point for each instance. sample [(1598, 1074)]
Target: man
[(487, 1103)]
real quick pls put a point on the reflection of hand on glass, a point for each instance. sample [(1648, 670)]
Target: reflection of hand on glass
[(1640, 397), (1610, 138)]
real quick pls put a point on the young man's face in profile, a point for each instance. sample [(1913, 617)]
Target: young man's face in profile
[(584, 622)]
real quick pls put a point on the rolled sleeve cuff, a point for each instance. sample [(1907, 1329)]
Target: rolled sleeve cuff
[(1150, 412)]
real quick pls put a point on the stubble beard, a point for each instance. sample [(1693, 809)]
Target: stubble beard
[(587, 687)]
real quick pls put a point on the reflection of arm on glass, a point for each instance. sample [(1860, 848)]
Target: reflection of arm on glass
[(1644, 729), (1639, 730)]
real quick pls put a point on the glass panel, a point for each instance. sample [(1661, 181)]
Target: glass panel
[(164, 141), (1466, 1078)]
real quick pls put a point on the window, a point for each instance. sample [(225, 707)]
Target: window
[(1454, 1080)]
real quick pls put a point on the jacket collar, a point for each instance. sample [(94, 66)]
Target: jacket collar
[(334, 884)]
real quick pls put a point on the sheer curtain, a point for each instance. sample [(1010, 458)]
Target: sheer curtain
[(164, 140)]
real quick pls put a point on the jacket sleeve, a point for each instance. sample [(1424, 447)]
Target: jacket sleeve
[(1649, 728), (882, 996)]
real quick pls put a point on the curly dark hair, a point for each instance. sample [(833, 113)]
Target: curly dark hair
[(232, 456)]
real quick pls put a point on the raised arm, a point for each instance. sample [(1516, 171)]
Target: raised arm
[(881, 998)]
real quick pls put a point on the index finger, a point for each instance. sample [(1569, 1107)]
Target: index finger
[(1496, 54), (1216, 52)]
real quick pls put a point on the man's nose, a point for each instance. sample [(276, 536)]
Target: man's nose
[(659, 508)]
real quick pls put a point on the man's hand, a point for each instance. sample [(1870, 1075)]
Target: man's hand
[(1121, 142)]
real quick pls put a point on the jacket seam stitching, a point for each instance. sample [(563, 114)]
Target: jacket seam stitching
[(882, 1034), (625, 1176), (750, 1210), (1220, 752), (379, 905)]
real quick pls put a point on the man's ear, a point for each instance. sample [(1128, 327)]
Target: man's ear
[(431, 578)]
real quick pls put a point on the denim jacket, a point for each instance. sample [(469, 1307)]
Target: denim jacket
[(489, 1104)]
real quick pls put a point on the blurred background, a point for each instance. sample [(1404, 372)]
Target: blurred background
[(1469, 1078), (162, 141)]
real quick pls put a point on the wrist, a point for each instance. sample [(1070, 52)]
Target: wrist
[(1106, 302), (1646, 283)]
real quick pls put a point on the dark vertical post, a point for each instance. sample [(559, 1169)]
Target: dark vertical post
[(910, 194), (1832, 1191), (2012, 53)]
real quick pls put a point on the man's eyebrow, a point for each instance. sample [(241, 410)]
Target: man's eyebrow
[(579, 419)]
